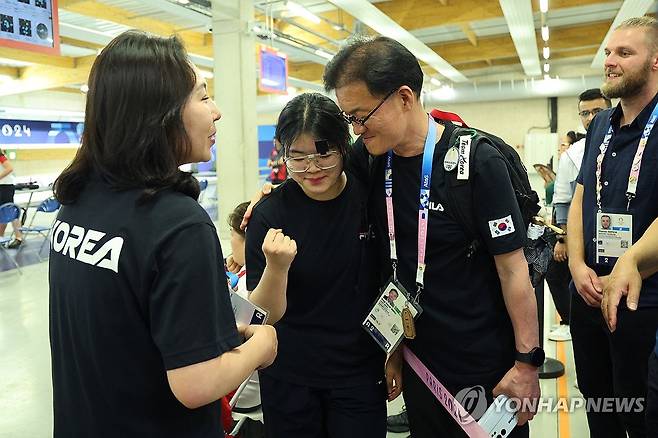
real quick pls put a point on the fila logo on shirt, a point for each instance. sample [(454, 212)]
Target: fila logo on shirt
[(436, 206), (82, 245)]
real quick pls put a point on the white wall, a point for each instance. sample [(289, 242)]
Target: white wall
[(512, 119)]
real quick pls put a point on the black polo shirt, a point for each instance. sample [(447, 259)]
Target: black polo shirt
[(464, 334), (332, 284), (614, 176), (135, 290)]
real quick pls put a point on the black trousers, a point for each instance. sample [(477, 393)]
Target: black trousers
[(558, 278), (427, 416), (297, 411), (613, 365), (652, 398)]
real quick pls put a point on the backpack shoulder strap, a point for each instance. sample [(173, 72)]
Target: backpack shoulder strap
[(460, 192)]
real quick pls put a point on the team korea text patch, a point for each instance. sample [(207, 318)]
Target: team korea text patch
[(501, 227)]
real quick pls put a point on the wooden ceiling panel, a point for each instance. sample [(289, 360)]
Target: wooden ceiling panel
[(418, 14), (307, 71), (196, 42), (503, 47)]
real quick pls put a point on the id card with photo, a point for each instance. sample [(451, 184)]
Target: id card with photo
[(384, 322), (614, 235)]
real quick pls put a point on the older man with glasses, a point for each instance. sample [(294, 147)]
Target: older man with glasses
[(477, 325)]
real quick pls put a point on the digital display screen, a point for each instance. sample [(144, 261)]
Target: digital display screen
[(29, 25), (273, 77), (36, 132)]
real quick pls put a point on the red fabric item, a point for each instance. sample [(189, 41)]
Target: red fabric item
[(227, 420), (448, 116), (2, 158)]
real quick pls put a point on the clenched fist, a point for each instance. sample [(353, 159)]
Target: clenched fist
[(279, 249)]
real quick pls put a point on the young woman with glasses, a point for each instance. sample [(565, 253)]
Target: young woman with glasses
[(327, 380)]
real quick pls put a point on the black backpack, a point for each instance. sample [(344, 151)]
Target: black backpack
[(460, 197)]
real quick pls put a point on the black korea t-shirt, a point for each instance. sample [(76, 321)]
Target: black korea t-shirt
[(332, 284), (134, 291), (464, 334)]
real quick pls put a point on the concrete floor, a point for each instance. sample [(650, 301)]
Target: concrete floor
[(25, 387)]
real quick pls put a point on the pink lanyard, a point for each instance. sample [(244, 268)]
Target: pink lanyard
[(461, 416)]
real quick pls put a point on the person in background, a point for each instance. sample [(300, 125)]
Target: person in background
[(7, 195), (278, 173), (249, 399), (590, 103), (142, 334), (570, 138)]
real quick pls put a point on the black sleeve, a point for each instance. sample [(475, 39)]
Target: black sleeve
[(191, 318), (254, 257), (497, 212)]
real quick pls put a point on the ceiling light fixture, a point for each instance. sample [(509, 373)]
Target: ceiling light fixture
[(521, 24), (547, 67), (445, 93), (544, 33), (84, 88), (435, 81), (547, 52), (299, 10), (184, 2), (322, 53), (543, 6)]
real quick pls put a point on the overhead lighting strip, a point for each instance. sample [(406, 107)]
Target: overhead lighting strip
[(521, 24)]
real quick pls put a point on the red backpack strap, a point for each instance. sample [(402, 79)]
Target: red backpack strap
[(448, 116)]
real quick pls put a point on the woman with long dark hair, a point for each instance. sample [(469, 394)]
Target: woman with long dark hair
[(142, 334), (328, 379)]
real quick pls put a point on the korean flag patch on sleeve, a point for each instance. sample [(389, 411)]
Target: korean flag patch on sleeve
[(501, 227)]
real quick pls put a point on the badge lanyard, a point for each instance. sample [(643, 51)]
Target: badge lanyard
[(423, 208), (634, 175)]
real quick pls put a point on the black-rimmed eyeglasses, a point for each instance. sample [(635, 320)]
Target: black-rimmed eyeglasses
[(349, 118)]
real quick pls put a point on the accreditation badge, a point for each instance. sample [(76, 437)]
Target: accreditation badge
[(614, 235), (385, 322)]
